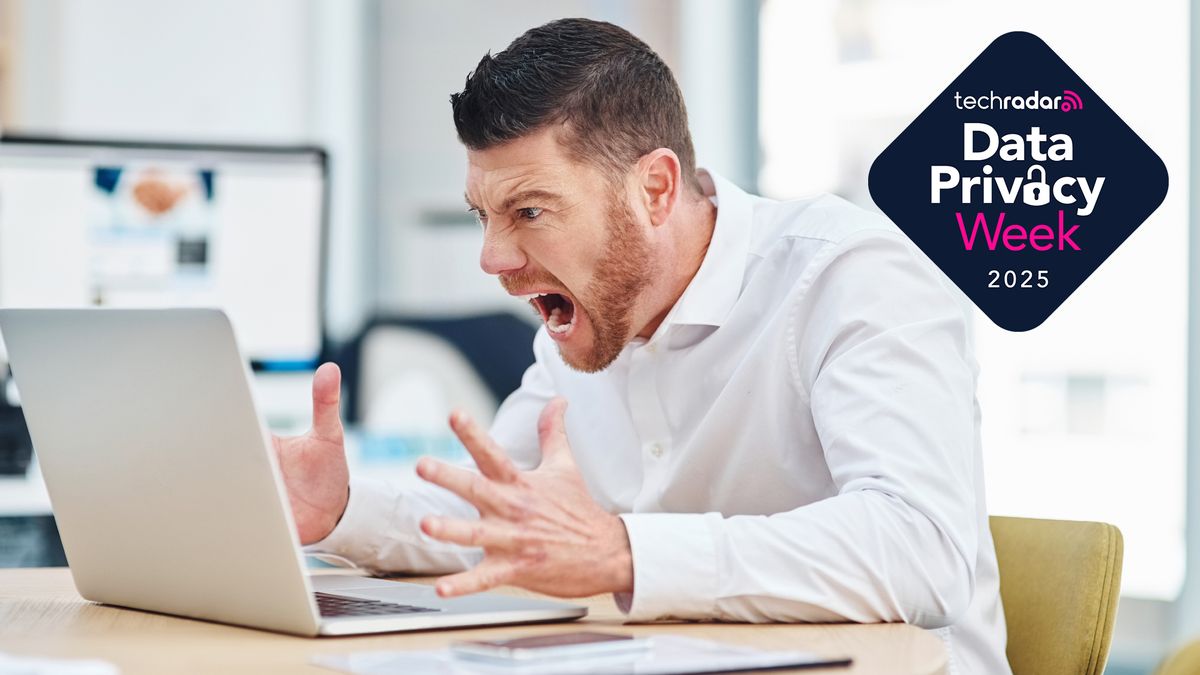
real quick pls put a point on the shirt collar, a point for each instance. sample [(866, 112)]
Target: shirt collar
[(711, 294)]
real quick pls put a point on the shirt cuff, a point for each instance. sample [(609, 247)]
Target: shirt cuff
[(674, 566), (368, 514)]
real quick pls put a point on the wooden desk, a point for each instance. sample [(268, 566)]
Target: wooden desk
[(42, 615)]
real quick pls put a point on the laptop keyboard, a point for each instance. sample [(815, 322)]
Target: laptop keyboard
[(339, 605)]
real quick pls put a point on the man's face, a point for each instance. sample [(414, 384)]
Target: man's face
[(560, 236)]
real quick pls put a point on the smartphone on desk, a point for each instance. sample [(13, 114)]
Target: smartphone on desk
[(535, 648)]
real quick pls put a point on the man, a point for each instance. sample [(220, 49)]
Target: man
[(772, 412)]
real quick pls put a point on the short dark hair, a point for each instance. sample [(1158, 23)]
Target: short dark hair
[(616, 97)]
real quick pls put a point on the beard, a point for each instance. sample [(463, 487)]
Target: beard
[(623, 272)]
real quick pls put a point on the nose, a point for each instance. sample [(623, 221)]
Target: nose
[(500, 252)]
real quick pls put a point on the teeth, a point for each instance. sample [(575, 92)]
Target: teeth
[(552, 323), (552, 320)]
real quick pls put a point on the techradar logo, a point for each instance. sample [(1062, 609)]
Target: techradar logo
[(992, 101)]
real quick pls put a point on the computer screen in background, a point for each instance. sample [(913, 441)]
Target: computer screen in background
[(88, 223)]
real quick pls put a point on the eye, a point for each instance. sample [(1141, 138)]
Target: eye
[(529, 212), (481, 216)]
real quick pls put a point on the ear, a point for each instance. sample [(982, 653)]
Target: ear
[(659, 184)]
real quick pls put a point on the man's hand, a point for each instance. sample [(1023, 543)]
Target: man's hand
[(314, 464), (539, 529)]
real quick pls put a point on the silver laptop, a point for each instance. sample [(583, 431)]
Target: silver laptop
[(165, 492)]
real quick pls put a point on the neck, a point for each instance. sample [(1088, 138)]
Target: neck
[(693, 233)]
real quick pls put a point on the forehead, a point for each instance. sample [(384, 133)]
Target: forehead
[(533, 162)]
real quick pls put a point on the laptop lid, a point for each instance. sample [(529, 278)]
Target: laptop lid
[(157, 463)]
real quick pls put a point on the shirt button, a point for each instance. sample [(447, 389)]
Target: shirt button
[(656, 449), (652, 348)]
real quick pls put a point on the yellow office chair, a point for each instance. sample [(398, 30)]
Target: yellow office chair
[(1185, 661), (1059, 581)]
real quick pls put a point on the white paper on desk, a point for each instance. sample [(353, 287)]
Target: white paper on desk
[(31, 665), (667, 655)]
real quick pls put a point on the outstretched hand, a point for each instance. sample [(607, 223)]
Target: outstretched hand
[(539, 529), (314, 464)]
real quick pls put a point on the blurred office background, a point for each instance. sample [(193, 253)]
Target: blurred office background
[(1088, 417)]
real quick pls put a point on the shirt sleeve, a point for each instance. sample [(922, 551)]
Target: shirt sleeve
[(380, 529), (883, 362)]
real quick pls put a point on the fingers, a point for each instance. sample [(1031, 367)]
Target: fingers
[(552, 431), (277, 447), (489, 457), (477, 533), (485, 576), (474, 488), (326, 395)]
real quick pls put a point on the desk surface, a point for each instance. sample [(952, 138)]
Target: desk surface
[(42, 615)]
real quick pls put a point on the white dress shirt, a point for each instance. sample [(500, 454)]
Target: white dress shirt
[(798, 441)]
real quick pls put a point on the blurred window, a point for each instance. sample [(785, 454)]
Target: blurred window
[(1084, 417)]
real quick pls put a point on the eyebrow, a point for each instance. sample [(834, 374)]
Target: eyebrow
[(524, 195)]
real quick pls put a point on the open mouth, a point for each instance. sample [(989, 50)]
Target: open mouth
[(556, 310)]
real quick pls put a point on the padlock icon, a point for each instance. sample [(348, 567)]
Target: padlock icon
[(1036, 194)]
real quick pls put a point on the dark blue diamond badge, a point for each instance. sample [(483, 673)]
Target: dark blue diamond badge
[(1018, 181)]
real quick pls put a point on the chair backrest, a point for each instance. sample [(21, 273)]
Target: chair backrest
[(1184, 661), (411, 380), (498, 346), (1060, 581)]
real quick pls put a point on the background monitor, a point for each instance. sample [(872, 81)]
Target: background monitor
[(132, 224)]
